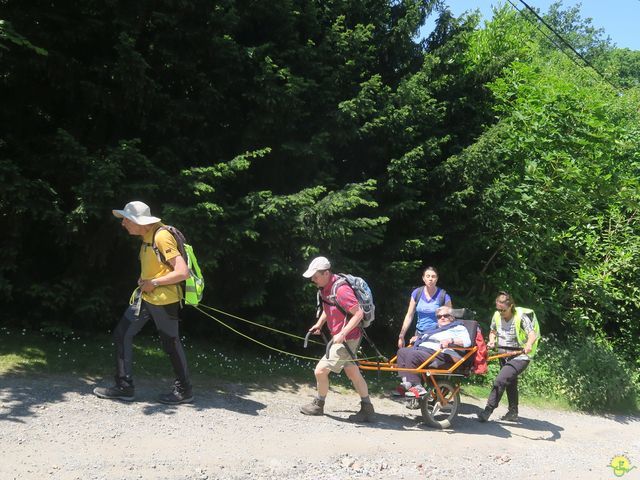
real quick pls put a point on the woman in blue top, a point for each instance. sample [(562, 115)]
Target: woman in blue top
[(425, 301)]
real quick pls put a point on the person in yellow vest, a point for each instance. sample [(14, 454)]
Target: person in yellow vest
[(515, 328), (158, 298)]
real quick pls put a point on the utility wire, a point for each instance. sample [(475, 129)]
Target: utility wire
[(564, 41), (548, 37)]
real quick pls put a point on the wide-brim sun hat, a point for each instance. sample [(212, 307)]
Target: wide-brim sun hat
[(137, 212), (317, 264)]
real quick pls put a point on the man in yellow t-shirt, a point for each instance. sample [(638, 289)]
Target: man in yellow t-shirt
[(158, 298)]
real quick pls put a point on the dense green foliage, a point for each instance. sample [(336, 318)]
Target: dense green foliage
[(583, 373), (270, 132)]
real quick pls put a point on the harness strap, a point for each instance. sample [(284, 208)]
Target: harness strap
[(157, 251), (373, 345)]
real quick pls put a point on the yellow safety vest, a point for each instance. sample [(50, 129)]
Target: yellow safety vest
[(521, 335)]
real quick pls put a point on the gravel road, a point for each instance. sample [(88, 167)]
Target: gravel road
[(54, 428)]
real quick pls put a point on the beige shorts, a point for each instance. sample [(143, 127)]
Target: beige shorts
[(339, 357)]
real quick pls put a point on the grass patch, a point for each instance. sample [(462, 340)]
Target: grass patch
[(23, 352), (65, 352), (481, 392)]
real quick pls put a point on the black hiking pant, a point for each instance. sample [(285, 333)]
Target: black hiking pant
[(167, 322), (507, 379)]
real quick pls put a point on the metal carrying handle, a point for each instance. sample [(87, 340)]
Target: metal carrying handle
[(306, 338)]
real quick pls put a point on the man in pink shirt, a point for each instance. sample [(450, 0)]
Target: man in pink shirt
[(346, 339)]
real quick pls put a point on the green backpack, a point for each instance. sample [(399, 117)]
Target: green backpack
[(193, 287)]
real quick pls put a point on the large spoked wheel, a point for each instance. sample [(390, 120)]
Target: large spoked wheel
[(436, 413)]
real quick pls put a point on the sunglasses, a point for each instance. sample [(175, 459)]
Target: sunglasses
[(502, 310), (446, 315)]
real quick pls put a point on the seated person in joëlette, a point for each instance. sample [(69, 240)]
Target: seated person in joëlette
[(448, 333)]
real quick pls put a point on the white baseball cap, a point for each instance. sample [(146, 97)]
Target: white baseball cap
[(137, 212), (318, 263)]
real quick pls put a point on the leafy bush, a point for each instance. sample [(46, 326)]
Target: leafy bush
[(588, 373)]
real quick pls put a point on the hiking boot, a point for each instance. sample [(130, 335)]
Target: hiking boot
[(484, 415), (122, 390), (179, 394), (510, 416), (316, 407), (365, 414)]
